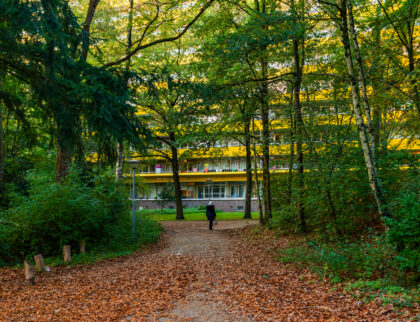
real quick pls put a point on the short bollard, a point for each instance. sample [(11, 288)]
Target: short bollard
[(29, 273), (39, 262), (82, 246), (67, 253)]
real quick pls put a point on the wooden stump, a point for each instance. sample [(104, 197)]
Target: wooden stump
[(67, 253), (39, 262), (82, 246), (29, 273)]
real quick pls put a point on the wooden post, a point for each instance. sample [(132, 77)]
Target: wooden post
[(29, 273), (67, 253), (82, 246), (39, 262)]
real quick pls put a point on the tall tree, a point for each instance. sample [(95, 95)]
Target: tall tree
[(169, 98), (298, 43), (40, 41), (341, 13)]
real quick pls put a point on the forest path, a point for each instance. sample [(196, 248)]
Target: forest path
[(190, 274), (208, 249)]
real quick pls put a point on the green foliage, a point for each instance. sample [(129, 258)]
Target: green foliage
[(167, 194), (385, 291), (368, 258), (285, 220), (337, 202), (404, 230), (118, 240), (40, 45), (56, 214)]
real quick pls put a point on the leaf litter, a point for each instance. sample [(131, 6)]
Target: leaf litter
[(190, 274)]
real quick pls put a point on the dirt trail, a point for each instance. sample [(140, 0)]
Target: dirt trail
[(195, 241), (190, 274)]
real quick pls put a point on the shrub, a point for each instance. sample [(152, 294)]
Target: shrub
[(369, 258), (404, 230), (285, 220), (56, 214)]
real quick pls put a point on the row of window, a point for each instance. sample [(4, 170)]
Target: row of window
[(219, 191), (210, 166), (278, 137)]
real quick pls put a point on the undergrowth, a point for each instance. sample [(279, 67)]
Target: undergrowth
[(368, 268)]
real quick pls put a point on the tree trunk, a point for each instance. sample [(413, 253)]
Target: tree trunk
[(177, 184), (63, 160), (86, 27), (257, 182), (377, 89), (292, 152), (411, 53), (413, 79), (361, 126), (297, 82), (1, 151), (362, 82), (119, 164), (265, 140), (248, 192)]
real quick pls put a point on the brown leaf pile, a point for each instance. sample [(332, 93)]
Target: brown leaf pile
[(242, 282)]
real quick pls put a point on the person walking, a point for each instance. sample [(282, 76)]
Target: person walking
[(211, 214)]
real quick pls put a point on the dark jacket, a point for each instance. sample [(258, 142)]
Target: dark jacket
[(210, 212)]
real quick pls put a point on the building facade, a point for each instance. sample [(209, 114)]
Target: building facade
[(218, 172)]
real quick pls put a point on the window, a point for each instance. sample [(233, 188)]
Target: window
[(234, 165), (218, 191), (234, 143), (237, 190), (205, 191), (200, 192)]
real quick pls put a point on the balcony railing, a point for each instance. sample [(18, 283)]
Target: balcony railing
[(212, 171)]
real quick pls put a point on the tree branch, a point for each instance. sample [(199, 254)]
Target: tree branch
[(163, 40)]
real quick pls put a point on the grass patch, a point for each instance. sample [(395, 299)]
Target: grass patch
[(168, 211), (194, 216)]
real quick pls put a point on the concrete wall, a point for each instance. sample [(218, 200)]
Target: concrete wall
[(223, 204)]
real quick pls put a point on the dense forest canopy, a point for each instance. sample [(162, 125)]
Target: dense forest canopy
[(331, 86)]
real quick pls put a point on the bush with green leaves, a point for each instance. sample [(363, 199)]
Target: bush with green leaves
[(404, 230), (368, 258), (55, 214), (336, 206)]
